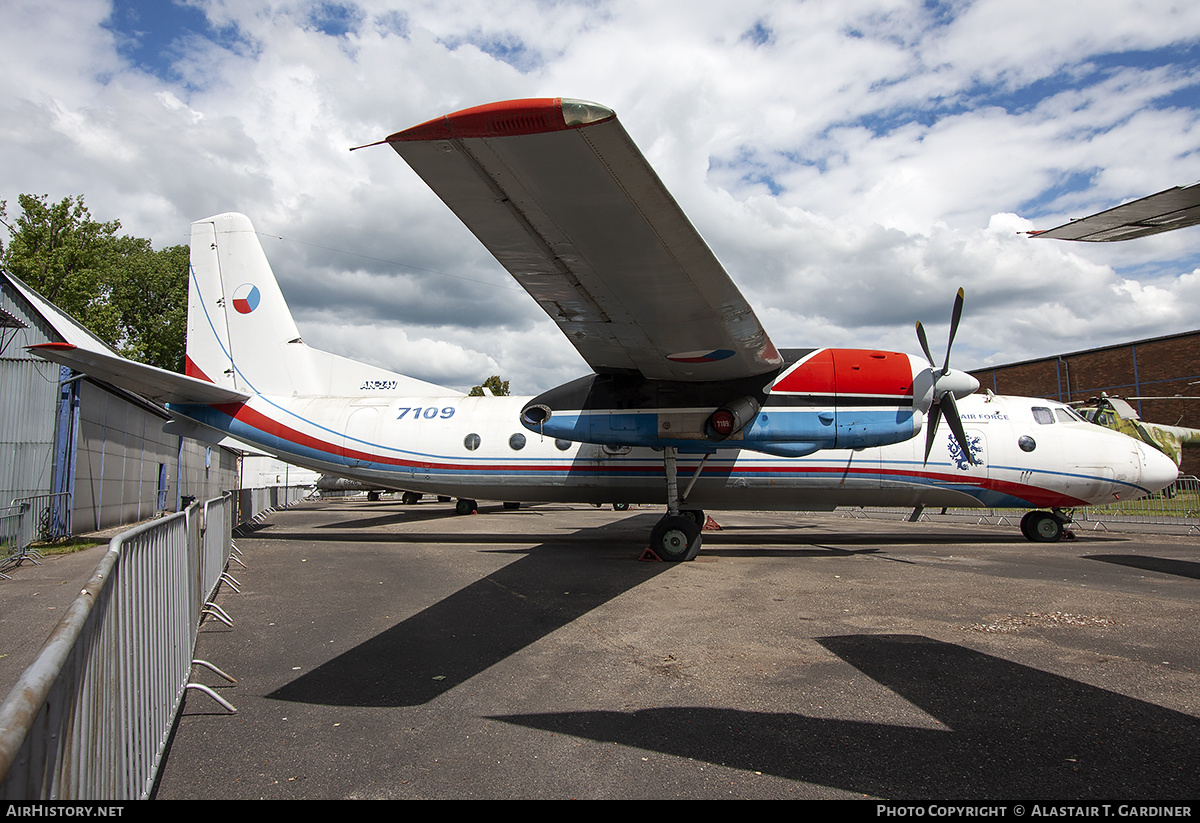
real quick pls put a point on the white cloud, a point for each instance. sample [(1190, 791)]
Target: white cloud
[(852, 164)]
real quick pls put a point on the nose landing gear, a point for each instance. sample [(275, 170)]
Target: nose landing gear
[(1044, 527)]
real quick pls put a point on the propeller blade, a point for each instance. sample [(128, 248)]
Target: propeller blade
[(955, 316), (924, 344), (956, 426), (935, 414)]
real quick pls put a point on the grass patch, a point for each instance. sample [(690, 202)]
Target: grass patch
[(68, 546)]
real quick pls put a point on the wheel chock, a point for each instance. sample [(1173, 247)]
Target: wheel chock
[(711, 525), (648, 556)]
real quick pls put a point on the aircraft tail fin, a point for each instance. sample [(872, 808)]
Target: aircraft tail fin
[(241, 334)]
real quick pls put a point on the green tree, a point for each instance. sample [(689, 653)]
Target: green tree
[(119, 287), (151, 301), (497, 386)]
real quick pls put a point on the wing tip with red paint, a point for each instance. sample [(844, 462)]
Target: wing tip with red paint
[(508, 118)]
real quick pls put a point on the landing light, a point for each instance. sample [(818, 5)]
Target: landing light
[(582, 112)]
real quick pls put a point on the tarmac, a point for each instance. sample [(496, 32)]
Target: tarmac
[(385, 651)]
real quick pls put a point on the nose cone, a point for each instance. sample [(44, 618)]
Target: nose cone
[(1158, 470)]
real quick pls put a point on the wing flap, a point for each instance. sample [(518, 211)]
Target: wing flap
[(575, 213), (153, 383)]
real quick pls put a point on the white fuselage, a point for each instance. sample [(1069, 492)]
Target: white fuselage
[(475, 447)]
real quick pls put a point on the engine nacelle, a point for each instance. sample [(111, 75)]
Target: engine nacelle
[(731, 418), (823, 399)]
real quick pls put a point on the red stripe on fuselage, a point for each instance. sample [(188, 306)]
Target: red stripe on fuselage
[(1034, 495)]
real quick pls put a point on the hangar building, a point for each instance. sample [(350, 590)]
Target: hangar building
[(62, 432), (1164, 367)]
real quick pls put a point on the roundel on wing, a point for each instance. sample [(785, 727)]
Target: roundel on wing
[(701, 356), (246, 298)]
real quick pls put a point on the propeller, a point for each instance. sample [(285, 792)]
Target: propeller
[(936, 391)]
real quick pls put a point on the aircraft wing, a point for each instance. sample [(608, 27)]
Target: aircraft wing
[(559, 193), (153, 383), (1171, 209)]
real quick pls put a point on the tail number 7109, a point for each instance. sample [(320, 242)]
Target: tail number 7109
[(426, 412)]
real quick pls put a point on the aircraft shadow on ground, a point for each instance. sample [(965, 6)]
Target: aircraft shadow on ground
[(1165, 565), (638, 525), (433, 651), (1011, 731), (396, 514), (547, 587)]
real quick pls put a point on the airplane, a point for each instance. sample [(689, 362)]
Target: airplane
[(689, 404), (1115, 413), (1171, 209)]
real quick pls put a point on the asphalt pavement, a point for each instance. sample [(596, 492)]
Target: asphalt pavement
[(390, 651)]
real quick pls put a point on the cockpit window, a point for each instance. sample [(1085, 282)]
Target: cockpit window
[(1064, 416), (1042, 415)]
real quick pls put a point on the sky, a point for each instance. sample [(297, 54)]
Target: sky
[(851, 163)]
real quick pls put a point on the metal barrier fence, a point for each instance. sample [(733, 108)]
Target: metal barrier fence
[(41, 517), (11, 519), (253, 504), (1177, 507), (91, 717)]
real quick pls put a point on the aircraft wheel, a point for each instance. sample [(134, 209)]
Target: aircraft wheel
[(676, 538), (1025, 521), (410, 498), (373, 496), (620, 507), (697, 516), (465, 506), (1042, 527)]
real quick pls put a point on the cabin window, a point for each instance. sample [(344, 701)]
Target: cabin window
[(562, 445), (516, 442), (1026, 443), (1042, 415), (471, 441)]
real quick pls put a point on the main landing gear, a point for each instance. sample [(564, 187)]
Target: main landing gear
[(676, 537), (1044, 527)]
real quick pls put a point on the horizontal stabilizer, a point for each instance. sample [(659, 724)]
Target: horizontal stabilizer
[(153, 383)]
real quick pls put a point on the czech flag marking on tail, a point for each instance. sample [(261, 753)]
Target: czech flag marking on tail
[(246, 298)]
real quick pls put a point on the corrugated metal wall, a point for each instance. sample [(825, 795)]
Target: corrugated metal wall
[(120, 452), (207, 471), (28, 394), (123, 452)]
